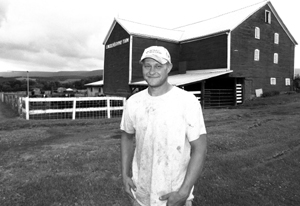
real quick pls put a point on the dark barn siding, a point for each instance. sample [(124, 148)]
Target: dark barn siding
[(210, 53), (139, 44), (260, 72), (116, 64)]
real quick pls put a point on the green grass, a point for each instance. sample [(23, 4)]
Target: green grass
[(253, 158)]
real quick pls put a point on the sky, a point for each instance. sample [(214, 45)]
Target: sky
[(68, 35)]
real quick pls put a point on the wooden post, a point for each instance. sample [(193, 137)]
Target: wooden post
[(20, 105), (27, 83), (124, 102), (27, 107), (108, 107), (74, 109), (202, 93)]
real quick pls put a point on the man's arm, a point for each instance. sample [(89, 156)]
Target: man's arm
[(195, 166), (127, 151)]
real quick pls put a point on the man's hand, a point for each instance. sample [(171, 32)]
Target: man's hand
[(128, 186), (174, 199)]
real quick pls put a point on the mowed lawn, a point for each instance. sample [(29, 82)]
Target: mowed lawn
[(253, 158)]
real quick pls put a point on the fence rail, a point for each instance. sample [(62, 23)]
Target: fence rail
[(214, 98), (65, 107)]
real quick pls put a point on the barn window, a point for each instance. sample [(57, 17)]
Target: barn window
[(256, 55), (273, 81), (257, 33), (275, 58), (276, 38), (268, 17), (287, 81)]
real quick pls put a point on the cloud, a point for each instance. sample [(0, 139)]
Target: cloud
[(52, 34), (68, 34), (3, 10)]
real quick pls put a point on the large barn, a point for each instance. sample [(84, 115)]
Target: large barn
[(223, 60)]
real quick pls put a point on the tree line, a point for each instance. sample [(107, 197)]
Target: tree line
[(44, 84)]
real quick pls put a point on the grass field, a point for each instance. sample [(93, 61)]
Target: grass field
[(253, 158)]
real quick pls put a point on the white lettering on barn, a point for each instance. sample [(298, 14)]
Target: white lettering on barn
[(117, 43)]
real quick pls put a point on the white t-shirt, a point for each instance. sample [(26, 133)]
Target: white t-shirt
[(163, 127)]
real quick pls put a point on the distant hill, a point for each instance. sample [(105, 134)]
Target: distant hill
[(53, 74)]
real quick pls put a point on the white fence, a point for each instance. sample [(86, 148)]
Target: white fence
[(11, 99), (72, 108), (65, 107)]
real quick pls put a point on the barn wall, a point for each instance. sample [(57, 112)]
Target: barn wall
[(116, 64), (260, 72), (139, 44), (207, 53)]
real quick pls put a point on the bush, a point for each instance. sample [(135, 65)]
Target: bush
[(270, 94)]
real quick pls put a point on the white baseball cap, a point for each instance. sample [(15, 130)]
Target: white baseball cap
[(158, 53)]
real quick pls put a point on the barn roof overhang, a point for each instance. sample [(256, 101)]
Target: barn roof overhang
[(145, 31), (192, 76), (206, 36), (95, 84), (154, 37)]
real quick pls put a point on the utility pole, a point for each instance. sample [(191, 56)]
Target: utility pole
[(27, 84)]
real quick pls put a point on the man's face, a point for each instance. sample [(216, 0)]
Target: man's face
[(154, 73)]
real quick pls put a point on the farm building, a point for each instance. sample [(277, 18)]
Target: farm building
[(224, 60), (95, 89)]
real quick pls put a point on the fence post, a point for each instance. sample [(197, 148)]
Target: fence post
[(19, 105), (108, 107), (27, 107), (74, 109), (124, 102)]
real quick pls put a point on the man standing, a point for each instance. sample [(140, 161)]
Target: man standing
[(163, 138)]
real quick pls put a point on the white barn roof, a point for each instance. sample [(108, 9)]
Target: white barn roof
[(222, 23), (190, 76), (94, 84), (138, 29), (180, 79)]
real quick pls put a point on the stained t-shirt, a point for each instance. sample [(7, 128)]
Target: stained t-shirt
[(163, 127)]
